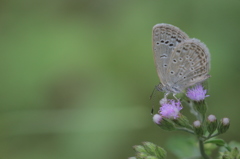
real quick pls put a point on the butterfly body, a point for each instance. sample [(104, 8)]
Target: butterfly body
[(168, 88), (180, 61)]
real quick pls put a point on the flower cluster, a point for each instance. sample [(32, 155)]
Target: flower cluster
[(197, 93), (170, 109)]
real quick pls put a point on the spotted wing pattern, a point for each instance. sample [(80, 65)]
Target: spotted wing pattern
[(189, 64), (165, 38)]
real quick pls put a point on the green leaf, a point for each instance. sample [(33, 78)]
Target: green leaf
[(160, 152), (218, 142), (149, 151), (235, 152), (184, 147), (230, 151), (226, 157), (139, 148), (231, 145), (151, 157), (150, 148), (141, 155)]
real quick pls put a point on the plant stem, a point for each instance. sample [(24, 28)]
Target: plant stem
[(201, 146), (192, 110), (186, 130), (211, 136)]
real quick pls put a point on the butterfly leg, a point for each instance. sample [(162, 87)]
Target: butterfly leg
[(174, 95), (165, 96), (164, 100)]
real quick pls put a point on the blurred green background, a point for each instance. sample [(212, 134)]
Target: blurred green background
[(76, 75)]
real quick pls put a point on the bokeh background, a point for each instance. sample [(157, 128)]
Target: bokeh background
[(76, 75)]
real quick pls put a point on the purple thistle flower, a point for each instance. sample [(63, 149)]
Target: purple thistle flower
[(170, 109), (197, 93)]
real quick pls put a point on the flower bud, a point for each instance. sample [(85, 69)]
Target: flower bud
[(163, 101), (164, 123), (198, 127), (182, 121), (211, 124), (200, 106), (223, 125), (157, 118)]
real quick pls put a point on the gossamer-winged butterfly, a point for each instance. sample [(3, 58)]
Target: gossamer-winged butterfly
[(180, 61)]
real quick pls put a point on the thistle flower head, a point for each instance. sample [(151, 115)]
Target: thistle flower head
[(170, 109), (197, 93)]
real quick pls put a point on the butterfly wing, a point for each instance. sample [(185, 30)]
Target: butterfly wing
[(165, 38), (189, 64)]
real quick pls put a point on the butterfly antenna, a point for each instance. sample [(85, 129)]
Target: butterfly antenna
[(153, 94)]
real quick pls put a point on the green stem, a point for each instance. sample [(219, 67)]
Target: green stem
[(211, 136), (192, 110), (186, 130), (201, 146)]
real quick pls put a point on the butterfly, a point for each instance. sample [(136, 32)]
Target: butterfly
[(180, 61)]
